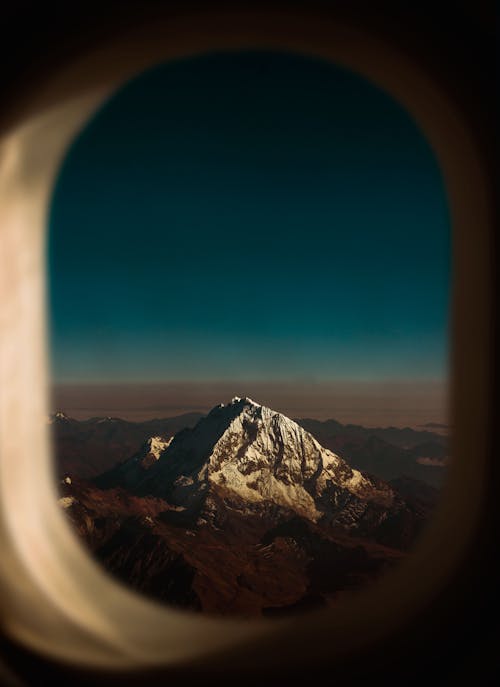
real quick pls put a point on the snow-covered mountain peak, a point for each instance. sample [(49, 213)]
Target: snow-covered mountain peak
[(244, 413), (132, 471), (250, 454), (156, 445)]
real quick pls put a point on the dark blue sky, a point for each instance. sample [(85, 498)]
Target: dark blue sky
[(249, 216)]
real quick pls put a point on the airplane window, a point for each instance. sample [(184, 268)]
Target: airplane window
[(249, 271)]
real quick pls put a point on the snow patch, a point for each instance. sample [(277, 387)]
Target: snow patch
[(243, 399), (158, 444)]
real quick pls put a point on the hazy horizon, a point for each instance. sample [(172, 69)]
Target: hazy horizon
[(369, 404)]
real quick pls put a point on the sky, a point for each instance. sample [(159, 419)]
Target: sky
[(245, 217)]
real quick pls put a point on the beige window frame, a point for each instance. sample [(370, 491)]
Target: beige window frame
[(82, 615)]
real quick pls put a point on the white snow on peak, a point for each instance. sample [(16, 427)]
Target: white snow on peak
[(265, 456), (158, 444), (242, 399)]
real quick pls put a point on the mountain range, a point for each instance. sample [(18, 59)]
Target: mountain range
[(245, 512), (86, 448)]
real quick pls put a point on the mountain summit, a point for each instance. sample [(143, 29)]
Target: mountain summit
[(251, 459)]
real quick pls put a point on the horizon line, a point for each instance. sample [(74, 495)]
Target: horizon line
[(428, 426)]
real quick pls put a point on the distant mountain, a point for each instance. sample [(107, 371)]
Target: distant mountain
[(387, 452), (86, 448), (389, 462), (403, 437), (130, 472)]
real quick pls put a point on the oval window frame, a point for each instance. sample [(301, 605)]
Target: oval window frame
[(106, 625)]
